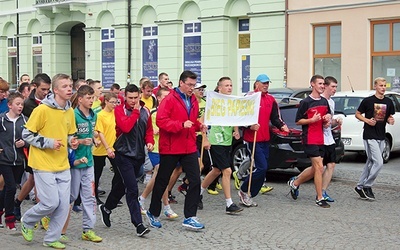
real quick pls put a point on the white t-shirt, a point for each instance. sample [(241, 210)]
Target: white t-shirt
[(328, 137)]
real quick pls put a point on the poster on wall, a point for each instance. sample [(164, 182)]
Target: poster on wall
[(150, 60), (107, 64), (192, 55), (246, 73)]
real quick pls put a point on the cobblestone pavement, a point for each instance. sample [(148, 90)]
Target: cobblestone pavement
[(277, 223)]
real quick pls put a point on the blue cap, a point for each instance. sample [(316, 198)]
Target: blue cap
[(262, 78)]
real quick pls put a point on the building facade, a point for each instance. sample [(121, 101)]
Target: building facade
[(352, 40), (121, 41)]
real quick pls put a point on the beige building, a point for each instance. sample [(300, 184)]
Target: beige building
[(352, 40), (123, 40)]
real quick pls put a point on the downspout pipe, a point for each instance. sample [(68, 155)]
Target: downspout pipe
[(129, 42)]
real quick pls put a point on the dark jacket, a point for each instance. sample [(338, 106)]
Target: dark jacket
[(134, 131), (172, 113), (9, 133), (29, 104)]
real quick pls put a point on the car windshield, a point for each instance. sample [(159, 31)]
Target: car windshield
[(289, 116), (346, 105)]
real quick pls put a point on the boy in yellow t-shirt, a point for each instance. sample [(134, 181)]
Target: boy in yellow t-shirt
[(49, 131)]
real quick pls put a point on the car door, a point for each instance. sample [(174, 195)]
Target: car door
[(394, 130)]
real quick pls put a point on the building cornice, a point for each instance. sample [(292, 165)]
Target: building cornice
[(168, 22), (213, 18)]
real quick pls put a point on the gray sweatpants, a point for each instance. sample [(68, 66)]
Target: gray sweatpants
[(53, 190), (82, 181), (373, 149)]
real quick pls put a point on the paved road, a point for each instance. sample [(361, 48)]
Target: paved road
[(277, 223)]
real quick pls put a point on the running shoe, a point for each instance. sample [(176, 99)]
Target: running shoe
[(17, 213), (77, 209), (265, 189), (141, 205), (90, 235), (326, 196), (153, 221), (213, 192), (236, 180), (45, 221), (27, 233), (192, 223), (182, 189), (170, 213), (105, 215), (10, 222), (171, 199), (369, 194), (245, 199), (322, 203), (294, 191), (218, 186), (64, 238), (233, 209), (361, 193), (142, 230), (55, 244)]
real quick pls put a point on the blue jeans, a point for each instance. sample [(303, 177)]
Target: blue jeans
[(260, 168)]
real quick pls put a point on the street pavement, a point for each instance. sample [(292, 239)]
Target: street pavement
[(279, 222)]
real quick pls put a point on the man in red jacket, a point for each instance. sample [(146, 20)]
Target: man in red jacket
[(177, 121), (268, 112)]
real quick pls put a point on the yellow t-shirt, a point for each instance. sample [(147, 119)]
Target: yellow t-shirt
[(156, 136), (96, 106), (106, 125), (148, 102), (55, 124)]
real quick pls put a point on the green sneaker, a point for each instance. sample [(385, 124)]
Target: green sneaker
[(27, 233), (45, 221), (55, 244), (236, 180), (90, 235), (64, 238)]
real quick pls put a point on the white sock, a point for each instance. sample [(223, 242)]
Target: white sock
[(202, 190), (141, 198), (167, 207), (229, 202)]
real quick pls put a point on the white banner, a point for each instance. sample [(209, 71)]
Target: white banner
[(229, 110)]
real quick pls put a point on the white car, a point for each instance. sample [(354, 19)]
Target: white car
[(346, 105)]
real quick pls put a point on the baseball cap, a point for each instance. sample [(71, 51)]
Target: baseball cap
[(262, 78), (199, 86)]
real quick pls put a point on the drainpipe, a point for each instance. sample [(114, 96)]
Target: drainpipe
[(17, 73), (286, 43), (129, 42)]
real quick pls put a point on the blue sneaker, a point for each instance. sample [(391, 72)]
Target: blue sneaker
[(294, 191), (192, 223), (153, 221), (327, 197)]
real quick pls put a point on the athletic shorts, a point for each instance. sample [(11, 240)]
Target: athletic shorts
[(330, 154), (314, 150), (154, 158), (221, 156)]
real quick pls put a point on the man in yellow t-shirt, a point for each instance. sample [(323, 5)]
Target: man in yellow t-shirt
[(147, 94), (49, 132)]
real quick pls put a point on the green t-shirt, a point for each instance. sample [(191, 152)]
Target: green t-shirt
[(220, 135)]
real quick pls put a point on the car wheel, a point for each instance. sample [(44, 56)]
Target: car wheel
[(239, 155), (386, 150)]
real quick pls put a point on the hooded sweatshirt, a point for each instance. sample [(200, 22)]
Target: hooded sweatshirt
[(10, 131), (47, 123)]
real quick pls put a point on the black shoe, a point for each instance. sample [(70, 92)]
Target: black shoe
[(361, 193), (120, 203), (17, 213), (171, 199), (101, 192), (142, 230), (322, 203), (368, 193), (105, 215), (200, 204), (233, 209), (99, 202)]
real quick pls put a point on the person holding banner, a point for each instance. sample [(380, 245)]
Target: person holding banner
[(313, 115), (259, 135), (220, 138), (177, 122)]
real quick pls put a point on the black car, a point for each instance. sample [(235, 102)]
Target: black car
[(286, 149), (290, 93)]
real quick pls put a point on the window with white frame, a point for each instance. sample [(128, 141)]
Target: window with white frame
[(36, 54), (12, 61)]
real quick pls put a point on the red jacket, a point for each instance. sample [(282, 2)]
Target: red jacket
[(268, 112), (172, 113)]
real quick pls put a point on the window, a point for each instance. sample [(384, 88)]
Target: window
[(36, 54), (244, 54), (327, 50), (385, 52), (12, 61), (192, 48), (150, 53)]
